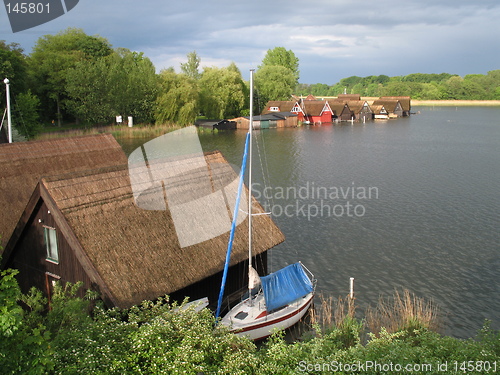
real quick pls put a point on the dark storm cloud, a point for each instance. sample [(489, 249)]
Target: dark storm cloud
[(332, 39)]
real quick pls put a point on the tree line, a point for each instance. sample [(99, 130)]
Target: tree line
[(73, 77), (420, 86)]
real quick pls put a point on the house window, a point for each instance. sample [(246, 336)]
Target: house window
[(274, 109), (50, 237)]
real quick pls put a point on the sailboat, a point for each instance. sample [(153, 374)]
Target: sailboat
[(273, 302)]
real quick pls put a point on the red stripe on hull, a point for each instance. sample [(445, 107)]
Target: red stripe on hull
[(275, 321)]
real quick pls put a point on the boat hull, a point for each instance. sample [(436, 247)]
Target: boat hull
[(259, 324)]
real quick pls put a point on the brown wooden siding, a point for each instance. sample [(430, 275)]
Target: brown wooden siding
[(31, 257)]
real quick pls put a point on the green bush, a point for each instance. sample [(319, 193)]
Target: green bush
[(160, 338)]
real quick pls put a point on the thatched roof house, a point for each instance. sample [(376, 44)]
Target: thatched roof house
[(22, 164), (405, 102), (341, 110), (129, 254), (379, 112), (392, 106)]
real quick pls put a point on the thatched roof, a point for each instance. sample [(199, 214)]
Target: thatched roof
[(357, 105), (338, 106), (135, 251), (377, 109), (404, 100), (389, 104), (283, 105), (313, 107), (23, 163)]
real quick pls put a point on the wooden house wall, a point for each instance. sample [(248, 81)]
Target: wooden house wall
[(30, 256), (345, 115), (365, 114), (289, 122), (326, 116), (398, 111)]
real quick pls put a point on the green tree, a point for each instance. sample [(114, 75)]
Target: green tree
[(89, 91), (26, 118), (190, 68), (123, 83), (12, 66), (319, 89), (53, 56), (279, 56), (222, 92), (453, 88), (178, 98), (274, 82), (134, 85)]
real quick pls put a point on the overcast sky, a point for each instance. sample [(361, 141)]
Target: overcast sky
[(333, 39)]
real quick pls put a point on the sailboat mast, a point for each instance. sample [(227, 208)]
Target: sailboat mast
[(250, 131)]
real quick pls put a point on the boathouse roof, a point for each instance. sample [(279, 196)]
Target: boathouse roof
[(404, 100), (391, 105), (22, 164), (283, 106)]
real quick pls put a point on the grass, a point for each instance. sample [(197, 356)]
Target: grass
[(403, 312), (452, 103), (455, 103), (121, 132)]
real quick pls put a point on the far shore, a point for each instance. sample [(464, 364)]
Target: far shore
[(453, 103)]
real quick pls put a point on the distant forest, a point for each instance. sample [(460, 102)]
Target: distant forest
[(421, 86)]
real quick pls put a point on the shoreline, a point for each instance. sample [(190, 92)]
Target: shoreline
[(449, 103), (457, 103)]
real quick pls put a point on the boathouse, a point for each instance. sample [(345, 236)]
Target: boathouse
[(392, 106), (317, 111), (341, 110), (359, 109), (268, 120), (405, 102), (379, 112), (346, 107), (86, 225)]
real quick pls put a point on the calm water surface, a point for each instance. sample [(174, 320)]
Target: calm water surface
[(420, 211)]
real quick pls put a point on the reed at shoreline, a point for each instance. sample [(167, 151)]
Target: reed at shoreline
[(123, 132), (455, 103)]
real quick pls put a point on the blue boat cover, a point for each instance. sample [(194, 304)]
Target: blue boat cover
[(285, 286)]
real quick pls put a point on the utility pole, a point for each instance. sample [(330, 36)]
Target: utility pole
[(9, 120)]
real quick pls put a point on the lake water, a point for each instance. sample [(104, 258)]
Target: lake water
[(408, 203)]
